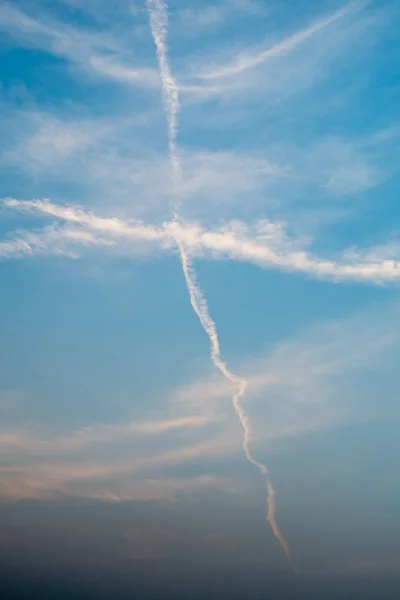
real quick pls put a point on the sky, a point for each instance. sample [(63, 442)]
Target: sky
[(200, 264)]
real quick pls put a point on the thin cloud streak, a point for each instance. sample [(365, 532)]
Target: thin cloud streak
[(53, 472), (97, 435), (235, 241), (61, 241), (285, 47), (93, 53), (305, 380), (21, 486)]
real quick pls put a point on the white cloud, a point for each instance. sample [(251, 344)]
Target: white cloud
[(265, 244), (17, 486), (104, 158), (313, 382), (245, 62), (52, 473), (97, 53), (213, 15), (110, 162), (62, 241), (52, 143), (286, 67), (19, 442), (344, 166)]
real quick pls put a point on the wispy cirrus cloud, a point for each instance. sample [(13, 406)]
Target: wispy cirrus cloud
[(308, 186), (51, 144), (314, 381), (213, 15), (59, 241), (103, 159), (279, 68), (266, 244), (96, 53), (98, 434), (303, 386), (249, 61), (54, 473)]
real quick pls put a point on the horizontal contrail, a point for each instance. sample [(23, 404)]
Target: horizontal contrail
[(244, 244)]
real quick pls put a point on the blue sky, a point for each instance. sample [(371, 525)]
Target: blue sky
[(288, 143)]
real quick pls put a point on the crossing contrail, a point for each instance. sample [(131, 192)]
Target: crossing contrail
[(157, 10)]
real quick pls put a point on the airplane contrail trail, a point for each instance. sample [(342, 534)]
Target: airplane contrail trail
[(375, 265), (157, 10), (158, 16)]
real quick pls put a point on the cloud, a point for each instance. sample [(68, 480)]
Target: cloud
[(60, 241), (109, 161), (22, 486), (211, 16), (265, 244), (113, 69), (51, 143), (114, 461), (370, 567), (66, 147), (245, 62), (97, 435), (94, 52), (346, 166), (315, 381), (111, 157), (158, 21), (52, 474), (286, 67)]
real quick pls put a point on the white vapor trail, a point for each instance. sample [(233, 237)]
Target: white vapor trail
[(236, 241), (157, 10), (199, 305)]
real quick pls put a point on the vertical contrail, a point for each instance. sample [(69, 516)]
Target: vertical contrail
[(157, 10), (158, 16)]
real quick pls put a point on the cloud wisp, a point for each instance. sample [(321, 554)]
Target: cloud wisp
[(158, 21), (286, 46), (264, 244), (93, 53), (307, 384)]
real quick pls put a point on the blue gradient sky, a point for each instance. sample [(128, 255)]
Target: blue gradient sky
[(114, 423)]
